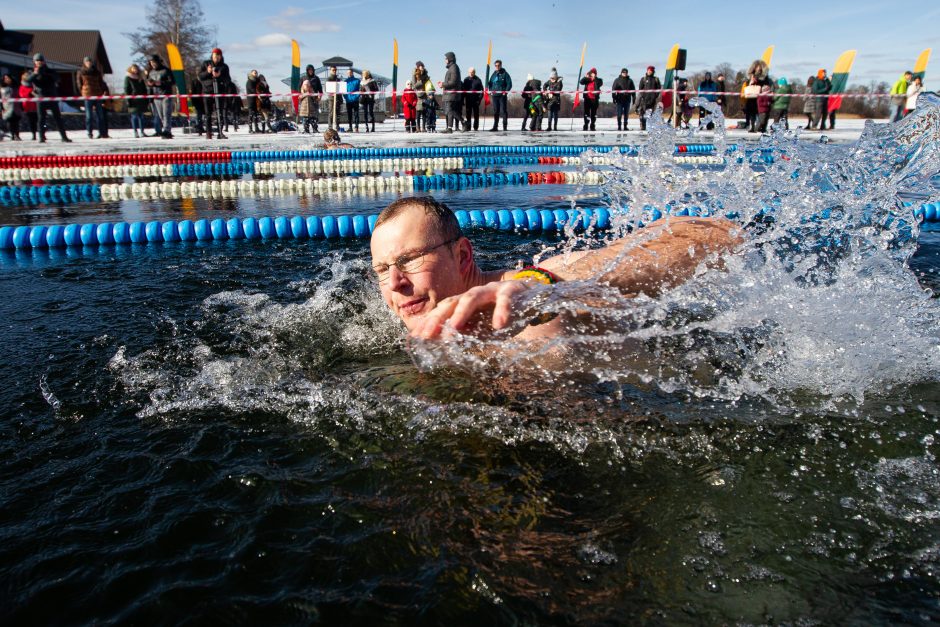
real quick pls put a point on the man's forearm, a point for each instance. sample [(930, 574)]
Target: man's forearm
[(662, 255)]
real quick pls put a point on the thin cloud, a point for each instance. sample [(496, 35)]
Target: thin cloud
[(270, 40), (513, 34), (291, 20)]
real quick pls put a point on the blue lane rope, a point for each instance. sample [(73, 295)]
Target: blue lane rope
[(323, 227)]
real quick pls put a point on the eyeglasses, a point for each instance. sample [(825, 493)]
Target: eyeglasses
[(407, 264)]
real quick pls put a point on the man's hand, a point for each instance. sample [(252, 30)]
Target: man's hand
[(460, 311)]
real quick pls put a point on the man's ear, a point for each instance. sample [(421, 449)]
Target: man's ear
[(464, 256)]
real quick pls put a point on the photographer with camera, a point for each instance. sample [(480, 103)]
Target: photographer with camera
[(215, 79)]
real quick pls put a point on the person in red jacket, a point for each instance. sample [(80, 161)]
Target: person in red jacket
[(592, 97), (29, 107), (409, 106)]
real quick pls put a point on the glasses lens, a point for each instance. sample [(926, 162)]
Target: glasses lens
[(412, 264)]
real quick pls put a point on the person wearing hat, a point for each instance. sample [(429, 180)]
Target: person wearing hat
[(500, 84), (91, 85), (473, 94), (45, 84), (215, 77), (12, 110), (706, 90), (623, 95), (160, 82), (453, 99), (650, 89), (409, 108), (419, 79), (136, 89), (532, 87), (821, 88), (781, 103), (592, 97), (369, 88), (551, 92)]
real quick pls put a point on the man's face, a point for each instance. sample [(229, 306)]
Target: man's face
[(349, 73), (38, 64), (649, 72), (473, 72), (623, 74), (411, 296), (499, 66), (216, 57)]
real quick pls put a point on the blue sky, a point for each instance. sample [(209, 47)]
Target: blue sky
[(535, 36)]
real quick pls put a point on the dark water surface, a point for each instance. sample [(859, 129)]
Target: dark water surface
[(234, 432)]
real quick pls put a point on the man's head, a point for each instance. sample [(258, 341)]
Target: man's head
[(450, 57), (88, 62), (624, 73), (472, 72), (216, 55), (333, 69), (650, 70), (38, 60), (708, 76), (721, 77), (498, 64), (420, 257), (908, 76), (350, 73)]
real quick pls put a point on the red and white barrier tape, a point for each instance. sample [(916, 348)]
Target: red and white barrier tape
[(449, 91)]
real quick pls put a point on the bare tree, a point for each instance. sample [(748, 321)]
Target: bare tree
[(179, 22)]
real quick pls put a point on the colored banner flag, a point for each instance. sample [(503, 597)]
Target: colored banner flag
[(486, 93), (577, 92), (920, 68), (394, 76), (768, 55), (840, 79), (179, 76), (295, 74), (670, 76)]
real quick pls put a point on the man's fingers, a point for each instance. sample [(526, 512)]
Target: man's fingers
[(471, 303), (502, 312)]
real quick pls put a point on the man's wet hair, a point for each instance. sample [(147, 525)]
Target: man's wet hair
[(442, 217)]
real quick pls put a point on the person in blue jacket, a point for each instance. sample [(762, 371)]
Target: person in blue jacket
[(352, 99), (500, 84), (706, 90)]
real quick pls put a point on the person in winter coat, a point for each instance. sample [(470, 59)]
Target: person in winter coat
[(336, 101), (533, 86), (821, 88), (419, 79), (913, 91), (251, 99), (473, 94), (45, 84), (721, 88), (90, 85), (684, 108), (706, 90), (757, 79), (316, 86), (134, 86), (352, 99), (29, 108), (500, 84), (369, 87), (453, 99), (781, 103), (309, 107), (623, 95), (809, 104), (650, 87), (12, 111), (430, 108), (263, 102), (764, 103), (551, 92), (215, 77), (592, 97), (899, 96), (409, 108)]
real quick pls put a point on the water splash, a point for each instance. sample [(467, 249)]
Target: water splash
[(819, 303)]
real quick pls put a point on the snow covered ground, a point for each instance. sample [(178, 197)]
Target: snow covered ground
[(391, 133)]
